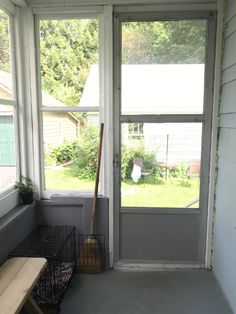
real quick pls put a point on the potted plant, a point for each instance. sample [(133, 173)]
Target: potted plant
[(25, 188)]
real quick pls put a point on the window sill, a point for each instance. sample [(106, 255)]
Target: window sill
[(8, 201), (14, 215)]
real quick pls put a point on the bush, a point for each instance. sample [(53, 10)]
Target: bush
[(182, 171), (88, 150), (128, 156), (65, 152), (82, 151)]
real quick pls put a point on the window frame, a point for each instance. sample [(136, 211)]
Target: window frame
[(9, 198), (83, 13)]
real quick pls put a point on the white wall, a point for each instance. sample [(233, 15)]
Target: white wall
[(224, 260)]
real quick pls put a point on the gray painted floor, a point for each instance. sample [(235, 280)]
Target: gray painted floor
[(142, 292)]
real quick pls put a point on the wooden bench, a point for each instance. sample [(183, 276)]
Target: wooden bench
[(18, 277)]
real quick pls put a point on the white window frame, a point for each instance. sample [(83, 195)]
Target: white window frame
[(78, 13), (9, 198)]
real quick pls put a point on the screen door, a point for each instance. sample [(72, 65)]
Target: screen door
[(163, 101)]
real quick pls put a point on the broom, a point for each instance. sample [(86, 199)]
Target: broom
[(90, 255)]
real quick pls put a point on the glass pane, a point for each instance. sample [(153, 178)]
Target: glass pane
[(69, 62), (7, 148), (161, 166), (70, 150), (5, 58), (163, 67)]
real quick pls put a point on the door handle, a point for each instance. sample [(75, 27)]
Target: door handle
[(116, 161)]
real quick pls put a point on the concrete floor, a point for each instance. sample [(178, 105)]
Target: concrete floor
[(145, 292)]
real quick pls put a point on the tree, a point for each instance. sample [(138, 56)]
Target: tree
[(163, 42), (68, 48)]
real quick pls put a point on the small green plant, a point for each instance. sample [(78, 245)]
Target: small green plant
[(181, 172), (25, 185)]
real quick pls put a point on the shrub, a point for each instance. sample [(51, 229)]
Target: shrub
[(128, 156), (87, 151), (181, 172), (82, 151), (65, 152)]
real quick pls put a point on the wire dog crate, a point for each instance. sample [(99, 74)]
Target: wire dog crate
[(57, 245), (91, 255)]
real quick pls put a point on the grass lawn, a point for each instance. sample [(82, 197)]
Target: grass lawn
[(173, 193), (66, 178)]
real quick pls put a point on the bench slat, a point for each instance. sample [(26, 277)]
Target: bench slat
[(8, 271), (14, 296)]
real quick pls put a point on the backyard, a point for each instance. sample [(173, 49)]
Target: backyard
[(148, 192)]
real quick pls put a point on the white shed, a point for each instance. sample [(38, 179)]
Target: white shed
[(149, 93)]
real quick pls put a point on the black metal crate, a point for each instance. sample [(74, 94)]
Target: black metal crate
[(57, 245)]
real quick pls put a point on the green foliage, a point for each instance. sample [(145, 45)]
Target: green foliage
[(163, 42), (25, 185), (68, 49), (4, 43), (182, 172), (128, 156), (88, 149), (83, 152), (65, 152)]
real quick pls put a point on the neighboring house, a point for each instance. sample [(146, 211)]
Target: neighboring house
[(149, 94), (58, 127)]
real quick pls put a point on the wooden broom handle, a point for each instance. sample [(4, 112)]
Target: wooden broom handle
[(95, 196)]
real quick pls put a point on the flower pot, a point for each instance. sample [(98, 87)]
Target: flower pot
[(27, 197)]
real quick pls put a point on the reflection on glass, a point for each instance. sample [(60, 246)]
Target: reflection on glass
[(163, 67), (70, 150), (5, 58), (7, 148), (161, 168), (69, 62)]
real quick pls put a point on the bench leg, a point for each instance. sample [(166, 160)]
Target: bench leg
[(31, 306)]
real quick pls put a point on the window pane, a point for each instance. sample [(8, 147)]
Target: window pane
[(70, 150), (7, 148), (5, 58), (69, 62), (163, 67), (161, 168)]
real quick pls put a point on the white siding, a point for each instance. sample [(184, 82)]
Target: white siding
[(57, 128), (225, 225)]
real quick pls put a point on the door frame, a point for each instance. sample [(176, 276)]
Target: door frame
[(206, 118)]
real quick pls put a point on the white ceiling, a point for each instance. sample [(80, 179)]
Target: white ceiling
[(88, 2)]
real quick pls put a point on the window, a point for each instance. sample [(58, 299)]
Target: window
[(69, 70), (8, 108), (162, 112), (136, 130)]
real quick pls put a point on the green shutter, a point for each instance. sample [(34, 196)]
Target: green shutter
[(7, 141)]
